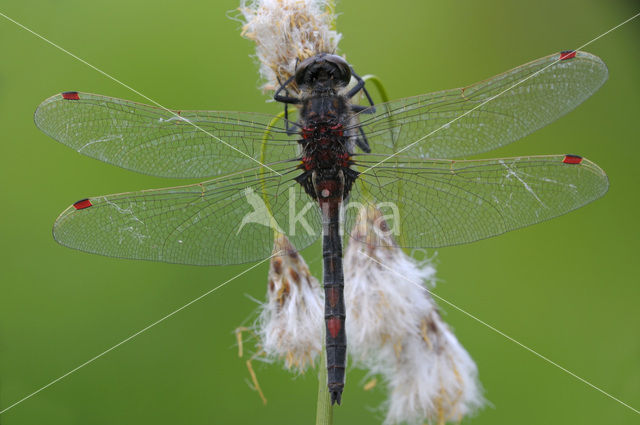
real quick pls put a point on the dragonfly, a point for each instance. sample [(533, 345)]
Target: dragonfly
[(298, 176)]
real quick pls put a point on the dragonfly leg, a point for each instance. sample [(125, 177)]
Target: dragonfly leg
[(291, 130), (361, 141), (362, 108), (287, 100), (360, 86)]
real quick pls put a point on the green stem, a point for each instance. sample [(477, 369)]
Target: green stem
[(324, 410), (378, 83)]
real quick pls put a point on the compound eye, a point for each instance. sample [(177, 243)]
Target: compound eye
[(342, 70), (303, 68), (300, 74), (345, 74)]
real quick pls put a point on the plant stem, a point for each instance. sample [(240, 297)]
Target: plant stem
[(324, 409), (378, 83)]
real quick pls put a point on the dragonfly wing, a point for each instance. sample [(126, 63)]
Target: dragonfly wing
[(423, 126), (434, 203), (160, 142), (228, 220)]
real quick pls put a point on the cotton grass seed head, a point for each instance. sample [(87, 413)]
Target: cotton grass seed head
[(433, 377), (291, 321), (382, 308), (395, 329), (287, 32)]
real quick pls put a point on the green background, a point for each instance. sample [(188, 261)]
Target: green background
[(567, 288)]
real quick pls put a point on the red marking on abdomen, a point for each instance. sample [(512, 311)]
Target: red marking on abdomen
[(82, 204), (328, 194), (334, 324), (567, 54), (572, 159), (330, 185), (332, 296), (70, 95)]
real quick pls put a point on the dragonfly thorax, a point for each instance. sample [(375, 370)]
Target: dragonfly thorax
[(323, 109), (325, 143)]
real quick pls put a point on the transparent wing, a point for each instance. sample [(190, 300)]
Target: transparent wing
[(163, 143), (434, 203), (559, 87), (228, 220)]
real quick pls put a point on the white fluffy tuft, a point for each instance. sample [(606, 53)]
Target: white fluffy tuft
[(433, 378), (394, 329), (291, 321), (287, 31)]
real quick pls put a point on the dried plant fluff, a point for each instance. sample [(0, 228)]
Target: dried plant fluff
[(291, 321), (287, 31), (394, 329)]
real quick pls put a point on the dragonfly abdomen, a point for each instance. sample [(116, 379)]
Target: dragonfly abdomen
[(330, 194)]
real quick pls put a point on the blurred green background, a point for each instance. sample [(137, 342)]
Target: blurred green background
[(567, 288)]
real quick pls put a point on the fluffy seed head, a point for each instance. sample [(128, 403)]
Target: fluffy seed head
[(395, 330), (433, 377), (290, 323), (287, 32), (381, 309)]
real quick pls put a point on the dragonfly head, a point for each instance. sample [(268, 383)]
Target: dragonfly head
[(323, 72)]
